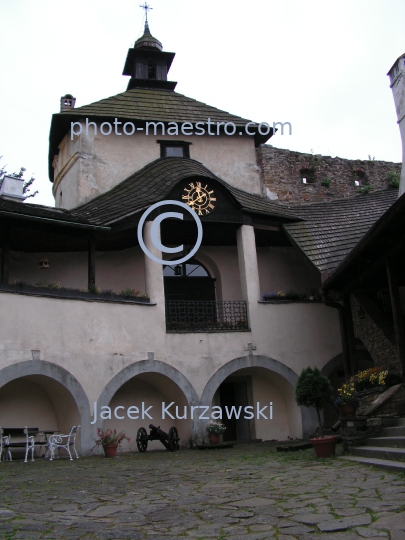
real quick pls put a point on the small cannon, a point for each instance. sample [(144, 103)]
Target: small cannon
[(169, 440)]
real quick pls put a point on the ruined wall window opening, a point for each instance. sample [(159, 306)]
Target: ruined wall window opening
[(151, 70), (307, 178), (360, 177), (307, 175)]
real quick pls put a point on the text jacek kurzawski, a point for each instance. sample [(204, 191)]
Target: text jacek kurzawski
[(193, 412)]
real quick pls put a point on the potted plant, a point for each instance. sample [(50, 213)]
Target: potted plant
[(314, 390), (214, 430), (109, 439), (347, 400)]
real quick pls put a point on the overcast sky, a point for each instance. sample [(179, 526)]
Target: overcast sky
[(320, 65)]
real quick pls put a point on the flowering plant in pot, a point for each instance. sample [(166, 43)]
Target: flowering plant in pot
[(347, 400), (214, 430), (369, 378), (109, 439), (314, 390)]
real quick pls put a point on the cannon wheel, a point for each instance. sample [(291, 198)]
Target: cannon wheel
[(142, 439), (173, 439)]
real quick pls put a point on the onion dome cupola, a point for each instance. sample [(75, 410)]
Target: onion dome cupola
[(147, 64)]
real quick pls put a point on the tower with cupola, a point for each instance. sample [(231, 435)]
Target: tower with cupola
[(147, 64)]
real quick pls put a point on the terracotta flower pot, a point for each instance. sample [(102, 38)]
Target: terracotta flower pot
[(110, 450), (348, 409), (213, 438), (324, 446)]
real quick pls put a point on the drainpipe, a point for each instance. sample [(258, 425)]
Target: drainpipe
[(343, 330)]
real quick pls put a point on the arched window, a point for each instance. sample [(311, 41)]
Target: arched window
[(190, 268), (188, 281)]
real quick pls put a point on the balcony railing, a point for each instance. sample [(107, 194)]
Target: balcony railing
[(196, 316)]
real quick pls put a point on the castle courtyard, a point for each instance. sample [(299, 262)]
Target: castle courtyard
[(246, 492)]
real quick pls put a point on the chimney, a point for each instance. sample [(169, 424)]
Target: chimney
[(397, 80), (67, 102), (12, 189)]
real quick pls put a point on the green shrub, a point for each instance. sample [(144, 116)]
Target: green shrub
[(393, 178), (53, 286), (108, 292), (21, 283), (326, 182), (92, 289), (128, 293), (313, 390)]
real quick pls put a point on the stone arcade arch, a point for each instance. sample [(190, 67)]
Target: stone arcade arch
[(150, 380), (307, 420), (57, 387)]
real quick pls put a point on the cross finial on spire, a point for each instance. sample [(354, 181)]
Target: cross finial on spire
[(146, 8)]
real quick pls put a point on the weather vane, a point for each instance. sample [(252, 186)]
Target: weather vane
[(146, 8)]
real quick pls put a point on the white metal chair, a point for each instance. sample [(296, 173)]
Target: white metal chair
[(28, 443), (63, 441)]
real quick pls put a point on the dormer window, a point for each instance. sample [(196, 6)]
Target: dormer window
[(174, 151), (178, 149), (151, 70)]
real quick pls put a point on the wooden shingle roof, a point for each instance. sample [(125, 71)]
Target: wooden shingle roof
[(141, 105), (37, 212), (331, 230), (155, 181), (155, 105)]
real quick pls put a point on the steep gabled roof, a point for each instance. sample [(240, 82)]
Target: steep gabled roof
[(331, 230), (155, 181), (144, 105), (155, 105)]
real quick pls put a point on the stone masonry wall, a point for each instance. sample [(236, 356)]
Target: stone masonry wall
[(391, 407), (282, 176), (357, 429), (375, 331)]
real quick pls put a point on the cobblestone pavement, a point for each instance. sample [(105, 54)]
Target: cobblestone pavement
[(248, 492)]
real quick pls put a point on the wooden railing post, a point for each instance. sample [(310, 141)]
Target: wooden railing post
[(396, 314), (91, 279), (5, 256)]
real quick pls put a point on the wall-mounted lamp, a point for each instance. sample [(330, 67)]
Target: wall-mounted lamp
[(177, 270), (43, 263)]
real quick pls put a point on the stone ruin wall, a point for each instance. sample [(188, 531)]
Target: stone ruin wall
[(376, 333), (282, 176)]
